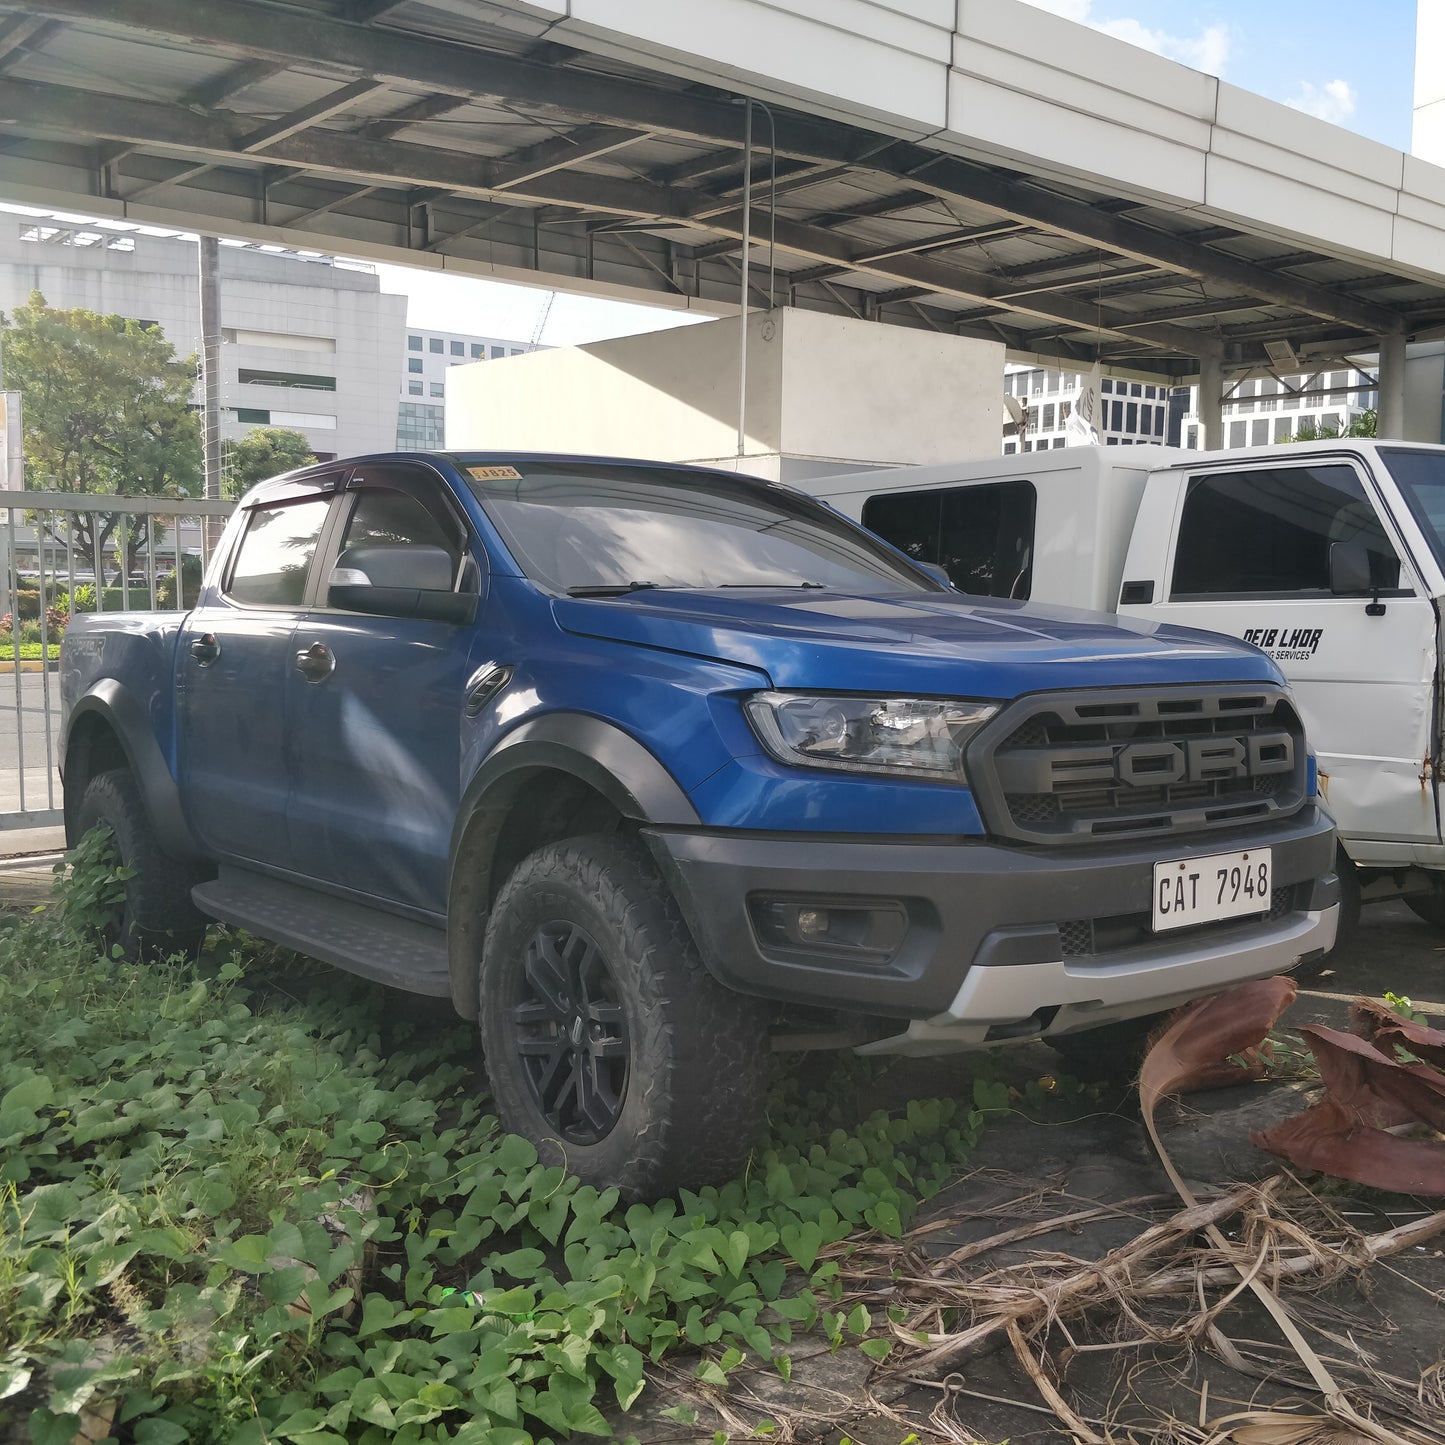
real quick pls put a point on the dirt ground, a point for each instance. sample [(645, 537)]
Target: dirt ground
[(1380, 1331)]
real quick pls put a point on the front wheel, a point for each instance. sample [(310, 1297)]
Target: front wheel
[(157, 918), (607, 1042)]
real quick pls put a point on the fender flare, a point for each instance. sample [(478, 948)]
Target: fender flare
[(597, 753), (127, 719)]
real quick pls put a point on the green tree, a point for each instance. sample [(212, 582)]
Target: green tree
[(265, 452), (107, 410)]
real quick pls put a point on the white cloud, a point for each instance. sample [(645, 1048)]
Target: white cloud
[(1207, 51), (1333, 101)]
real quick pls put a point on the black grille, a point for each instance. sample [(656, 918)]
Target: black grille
[(1075, 767), (1090, 937)]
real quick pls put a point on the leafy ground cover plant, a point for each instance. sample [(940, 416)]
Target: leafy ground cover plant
[(252, 1201)]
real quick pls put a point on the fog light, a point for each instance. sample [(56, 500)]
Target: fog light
[(812, 923), (861, 930)]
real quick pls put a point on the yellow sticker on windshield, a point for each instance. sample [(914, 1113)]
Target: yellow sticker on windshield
[(494, 474)]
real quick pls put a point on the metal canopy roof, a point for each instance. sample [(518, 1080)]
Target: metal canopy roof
[(432, 128)]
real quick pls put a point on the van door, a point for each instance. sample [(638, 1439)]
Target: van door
[(1250, 556)]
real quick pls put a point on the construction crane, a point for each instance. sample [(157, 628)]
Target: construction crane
[(542, 320)]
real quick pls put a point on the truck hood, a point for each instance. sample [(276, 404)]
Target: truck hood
[(914, 643)]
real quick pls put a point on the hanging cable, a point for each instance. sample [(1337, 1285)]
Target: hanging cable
[(743, 269)]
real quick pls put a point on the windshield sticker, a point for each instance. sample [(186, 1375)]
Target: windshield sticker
[(1286, 644), (494, 474)]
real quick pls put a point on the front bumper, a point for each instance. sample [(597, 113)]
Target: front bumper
[(1000, 942)]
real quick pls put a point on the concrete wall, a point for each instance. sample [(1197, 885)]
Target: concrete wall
[(823, 393)]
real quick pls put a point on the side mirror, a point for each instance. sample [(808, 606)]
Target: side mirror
[(1349, 569), (399, 580)]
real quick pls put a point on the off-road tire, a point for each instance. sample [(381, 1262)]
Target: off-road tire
[(696, 1053), (158, 918), (1109, 1054)]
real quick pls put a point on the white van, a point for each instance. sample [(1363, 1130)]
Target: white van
[(1330, 556)]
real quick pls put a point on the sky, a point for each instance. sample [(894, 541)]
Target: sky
[(1350, 62)]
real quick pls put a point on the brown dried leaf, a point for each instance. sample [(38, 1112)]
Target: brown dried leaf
[(1331, 1139), (1194, 1050), (1382, 1091), (1383, 1027)]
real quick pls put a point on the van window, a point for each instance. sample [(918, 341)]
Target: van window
[(1269, 532), (983, 536)]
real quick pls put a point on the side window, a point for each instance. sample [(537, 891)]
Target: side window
[(1270, 532), (399, 535), (275, 554), (386, 517), (983, 536)]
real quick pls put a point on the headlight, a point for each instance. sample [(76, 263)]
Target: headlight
[(914, 737)]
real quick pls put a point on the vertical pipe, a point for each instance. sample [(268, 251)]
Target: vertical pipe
[(1211, 403), (1391, 417), (211, 363), (743, 298)]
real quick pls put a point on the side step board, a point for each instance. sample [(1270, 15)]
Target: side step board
[(362, 940)]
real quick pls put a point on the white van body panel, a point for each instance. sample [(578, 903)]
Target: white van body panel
[(1086, 505), (1367, 686)]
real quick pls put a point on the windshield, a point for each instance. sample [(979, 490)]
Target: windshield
[(585, 528), (1420, 475)]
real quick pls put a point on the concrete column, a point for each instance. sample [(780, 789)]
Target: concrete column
[(1211, 403), (1391, 422)]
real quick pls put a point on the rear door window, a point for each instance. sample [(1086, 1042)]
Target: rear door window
[(982, 536), (274, 559), (1268, 532)]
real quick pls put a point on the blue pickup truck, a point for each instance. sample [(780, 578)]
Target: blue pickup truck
[(651, 768)]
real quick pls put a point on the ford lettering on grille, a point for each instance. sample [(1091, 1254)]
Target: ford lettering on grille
[(1149, 764), (1069, 767)]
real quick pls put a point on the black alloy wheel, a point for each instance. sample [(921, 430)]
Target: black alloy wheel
[(571, 1033), (607, 1042)]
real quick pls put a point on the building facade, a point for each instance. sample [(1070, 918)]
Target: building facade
[(1130, 412), (1257, 410), (1260, 410), (429, 355), (307, 342)]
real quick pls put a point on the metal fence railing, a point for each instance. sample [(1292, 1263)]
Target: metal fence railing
[(61, 554)]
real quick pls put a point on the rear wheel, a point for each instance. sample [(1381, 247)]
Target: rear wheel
[(607, 1042), (1429, 906), (157, 918)]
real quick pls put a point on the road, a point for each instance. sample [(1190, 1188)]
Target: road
[(31, 699)]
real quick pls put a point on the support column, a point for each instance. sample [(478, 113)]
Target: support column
[(1211, 403), (210, 269), (1391, 417)]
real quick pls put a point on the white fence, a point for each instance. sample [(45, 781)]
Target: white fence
[(60, 554)]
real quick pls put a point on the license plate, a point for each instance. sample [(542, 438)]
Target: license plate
[(1204, 890)]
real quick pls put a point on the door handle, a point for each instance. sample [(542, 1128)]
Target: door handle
[(205, 649), (316, 662)]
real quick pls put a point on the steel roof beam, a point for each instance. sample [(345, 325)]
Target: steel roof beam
[(219, 136), (263, 32)]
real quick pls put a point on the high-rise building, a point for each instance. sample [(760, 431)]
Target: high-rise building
[(1259, 410), (1131, 413), (426, 360), (307, 342)]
